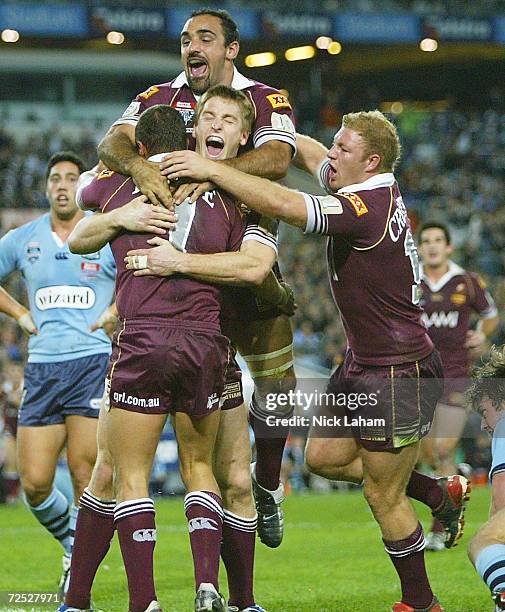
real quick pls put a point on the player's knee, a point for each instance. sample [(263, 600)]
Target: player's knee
[(381, 499), (236, 488), (101, 483), (474, 547), (36, 490), (80, 473), (315, 457), (192, 470)]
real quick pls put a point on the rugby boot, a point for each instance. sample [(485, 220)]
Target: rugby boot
[(209, 600), (403, 607), (270, 514), (456, 490)]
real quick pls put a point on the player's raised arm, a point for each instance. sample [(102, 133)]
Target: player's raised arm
[(259, 194), (310, 154), (270, 160)]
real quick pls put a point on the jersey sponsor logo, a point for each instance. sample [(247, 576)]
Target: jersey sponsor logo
[(357, 203), (61, 255), (232, 391), (187, 112), (104, 174), (144, 535), (278, 101), (458, 298), (133, 109), (148, 93), (202, 522), (87, 266), (398, 221), (65, 296), (282, 123), (460, 287), (33, 251), (331, 205), (440, 319)]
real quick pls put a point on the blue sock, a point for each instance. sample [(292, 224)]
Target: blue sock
[(71, 524), (53, 514), (490, 564)]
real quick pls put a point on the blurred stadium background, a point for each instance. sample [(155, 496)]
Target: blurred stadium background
[(68, 69)]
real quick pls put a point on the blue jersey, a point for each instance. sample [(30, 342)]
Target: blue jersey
[(498, 449), (67, 292)]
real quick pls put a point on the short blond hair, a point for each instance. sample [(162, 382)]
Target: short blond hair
[(233, 95), (379, 135)]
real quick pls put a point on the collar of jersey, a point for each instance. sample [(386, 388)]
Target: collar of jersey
[(239, 81), (385, 179), (454, 270)]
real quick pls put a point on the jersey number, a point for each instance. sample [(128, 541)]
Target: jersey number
[(411, 253)]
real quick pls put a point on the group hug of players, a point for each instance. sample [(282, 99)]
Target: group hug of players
[(192, 263)]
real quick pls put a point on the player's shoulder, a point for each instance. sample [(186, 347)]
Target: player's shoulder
[(476, 279), (27, 229), (158, 93), (262, 93), (499, 430)]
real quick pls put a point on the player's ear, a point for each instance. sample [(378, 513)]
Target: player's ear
[(141, 148), (232, 50), (244, 137), (374, 162)]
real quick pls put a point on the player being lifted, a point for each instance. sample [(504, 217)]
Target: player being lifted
[(368, 228), (450, 296), (67, 361), (226, 114), (487, 549), (209, 45)]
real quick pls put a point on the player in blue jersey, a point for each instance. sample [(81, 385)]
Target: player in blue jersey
[(487, 549), (68, 352)]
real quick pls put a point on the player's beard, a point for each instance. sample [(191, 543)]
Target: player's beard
[(66, 215), (199, 85)]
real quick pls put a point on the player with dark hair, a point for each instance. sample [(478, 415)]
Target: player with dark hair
[(67, 360), (450, 296), (487, 548), (221, 119), (389, 349), (209, 46)]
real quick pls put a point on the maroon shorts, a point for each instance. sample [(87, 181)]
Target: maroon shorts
[(233, 392), (10, 418), (387, 407), (157, 368)]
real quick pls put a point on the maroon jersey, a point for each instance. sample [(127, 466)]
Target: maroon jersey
[(448, 307), (274, 118), (212, 225), (373, 270)]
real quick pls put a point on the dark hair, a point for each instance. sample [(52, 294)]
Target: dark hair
[(161, 129), (488, 381), (435, 225), (65, 156), (230, 30), (234, 95)]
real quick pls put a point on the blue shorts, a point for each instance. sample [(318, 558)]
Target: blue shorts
[(56, 390)]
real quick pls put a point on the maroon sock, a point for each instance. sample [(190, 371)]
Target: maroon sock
[(437, 527), (204, 511), (408, 558), (237, 551), (270, 443), (11, 484), (134, 520), (425, 489), (93, 534)]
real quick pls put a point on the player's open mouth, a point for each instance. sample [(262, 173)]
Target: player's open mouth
[(62, 199), (215, 146), (197, 68)]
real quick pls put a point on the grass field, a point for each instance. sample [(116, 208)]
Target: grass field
[(331, 560)]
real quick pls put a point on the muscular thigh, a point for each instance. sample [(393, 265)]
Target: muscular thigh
[(390, 468), (38, 449)]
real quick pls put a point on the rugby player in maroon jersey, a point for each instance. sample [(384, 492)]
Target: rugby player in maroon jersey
[(232, 453), (374, 277), (209, 45), (450, 298)]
